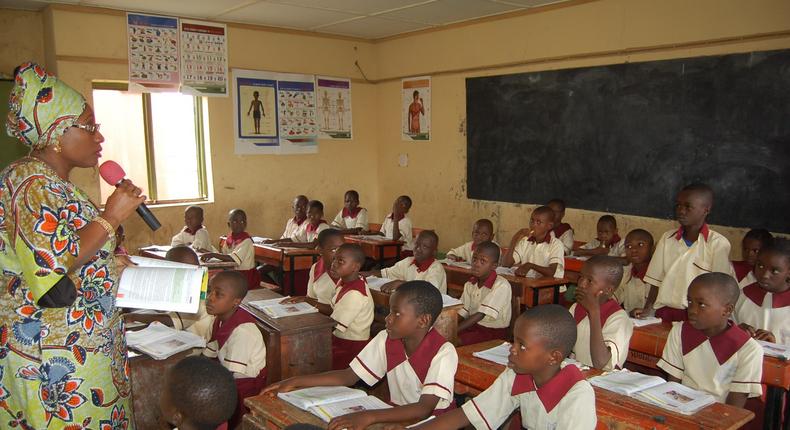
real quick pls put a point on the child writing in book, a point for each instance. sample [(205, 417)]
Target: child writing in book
[(548, 396), (193, 234), (683, 254), (308, 236), (763, 310), (321, 284), (534, 250), (709, 352), (423, 266), (352, 219), (232, 337), (603, 327), (561, 230), (607, 242), (486, 298), (482, 231), (752, 243), (238, 248), (397, 225), (198, 394), (417, 361), (632, 292)]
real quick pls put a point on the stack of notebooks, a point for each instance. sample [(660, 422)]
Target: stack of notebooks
[(775, 350), (160, 341), (329, 402), (274, 309), (655, 390)]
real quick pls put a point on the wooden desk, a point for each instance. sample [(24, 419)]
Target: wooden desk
[(446, 324), (532, 291), (288, 260), (160, 253), (297, 345), (147, 377), (573, 264), (614, 411), (378, 250)]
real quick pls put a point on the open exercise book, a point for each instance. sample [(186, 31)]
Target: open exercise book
[(329, 402), (641, 322), (375, 283), (274, 309), (160, 341), (655, 390), (161, 285), (500, 353)]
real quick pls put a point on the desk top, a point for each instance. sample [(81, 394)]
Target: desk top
[(285, 325), (521, 280), (159, 253), (286, 250), (369, 241), (611, 407)]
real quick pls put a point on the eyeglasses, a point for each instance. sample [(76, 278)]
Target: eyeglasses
[(90, 128)]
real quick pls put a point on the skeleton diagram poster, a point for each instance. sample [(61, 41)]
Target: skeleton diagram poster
[(334, 108), (416, 109)]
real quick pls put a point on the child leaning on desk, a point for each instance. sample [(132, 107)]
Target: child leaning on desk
[(534, 251), (352, 219), (423, 266), (238, 248), (482, 231)]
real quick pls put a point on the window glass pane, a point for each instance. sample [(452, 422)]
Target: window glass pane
[(121, 117), (175, 146)]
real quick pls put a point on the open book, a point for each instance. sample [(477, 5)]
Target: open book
[(371, 237), (775, 349), (274, 309), (161, 285), (329, 402), (160, 341), (375, 283), (499, 355), (654, 390), (641, 322)]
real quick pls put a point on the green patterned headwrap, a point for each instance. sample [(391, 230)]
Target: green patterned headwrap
[(41, 107)]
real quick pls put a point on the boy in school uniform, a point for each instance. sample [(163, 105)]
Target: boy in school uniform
[(482, 231), (397, 225), (709, 352), (352, 219), (232, 337), (633, 290), (607, 242), (752, 243), (535, 251), (296, 224), (683, 254), (562, 230), (198, 394), (417, 361), (321, 284), (548, 396), (763, 308), (308, 235), (486, 298), (238, 248), (423, 266), (603, 328), (193, 234)]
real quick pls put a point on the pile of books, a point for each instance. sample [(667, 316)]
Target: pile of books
[(655, 390), (160, 341)]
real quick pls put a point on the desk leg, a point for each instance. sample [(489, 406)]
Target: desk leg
[(774, 401), (535, 297), (557, 294), (381, 256), (292, 259)]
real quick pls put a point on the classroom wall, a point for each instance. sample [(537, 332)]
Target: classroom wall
[(21, 39)]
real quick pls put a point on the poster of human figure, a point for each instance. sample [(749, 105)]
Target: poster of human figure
[(154, 58), (334, 108), (416, 108)]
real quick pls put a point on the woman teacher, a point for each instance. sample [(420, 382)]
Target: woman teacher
[(62, 349)]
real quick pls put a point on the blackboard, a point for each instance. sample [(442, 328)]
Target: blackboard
[(625, 138)]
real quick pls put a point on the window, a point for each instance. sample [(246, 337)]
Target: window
[(158, 138)]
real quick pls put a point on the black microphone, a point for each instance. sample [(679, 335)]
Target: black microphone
[(113, 174)]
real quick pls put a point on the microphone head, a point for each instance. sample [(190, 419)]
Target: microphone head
[(111, 172)]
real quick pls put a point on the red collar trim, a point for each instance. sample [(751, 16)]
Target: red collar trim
[(636, 273), (757, 295), (391, 217), (193, 232), (351, 214), (704, 231), (561, 229), (425, 265), (232, 240), (312, 228), (299, 222), (615, 240), (420, 361), (742, 269), (488, 283), (607, 309), (546, 239), (221, 331), (474, 246), (320, 269), (551, 392), (357, 285), (724, 344)]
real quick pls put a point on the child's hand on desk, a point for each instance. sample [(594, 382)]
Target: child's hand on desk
[(764, 335), (292, 300), (641, 312), (280, 387), (355, 421), (390, 286), (523, 269), (207, 256)]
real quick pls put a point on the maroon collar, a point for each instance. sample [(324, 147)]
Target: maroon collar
[(422, 267), (474, 245), (312, 228), (299, 222), (546, 239), (393, 218), (221, 331), (351, 214), (636, 273), (615, 240), (320, 269), (420, 361), (724, 344), (358, 284), (742, 269), (193, 232), (757, 295), (607, 309), (561, 229), (552, 391), (704, 231), (489, 281), (232, 240)]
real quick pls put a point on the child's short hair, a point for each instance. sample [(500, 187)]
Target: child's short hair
[(237, 211), (643, 234), (726, 286), (430, 234), (182, 254), (608, 219), (353, 193), (559, 202), (355, 251), (406, 199), (491, 249), (544, 210), (760, 234), (195, 208), (315, 204), (203, 391), (236, 281), (485, 222), (327, 234), (425, 298), (611, 267), (555, 325), (702, 189), (780, 246)]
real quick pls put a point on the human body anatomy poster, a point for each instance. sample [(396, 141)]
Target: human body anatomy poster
[(416, 108), (334, 107)]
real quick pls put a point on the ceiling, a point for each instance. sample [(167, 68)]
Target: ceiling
[(366, 19)]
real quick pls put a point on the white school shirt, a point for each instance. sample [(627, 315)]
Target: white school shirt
[(309, 234), (633, 290), (728, 362), (404, 226), (767, 311), (244, 353), (293, 228), (565, 402), (749, 279), (320, 285), (199, 240), (352, 309), (345, 221), (616, 248), (543, 253), (464, 252), (492, 300), (564, 232), (430, 270), (616, 328), (183, 320), (674, 264), (430, 369), (243, 254)]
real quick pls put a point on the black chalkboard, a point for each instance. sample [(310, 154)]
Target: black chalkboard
[(625, 138)]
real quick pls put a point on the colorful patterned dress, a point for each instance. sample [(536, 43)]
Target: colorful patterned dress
[(60, 368)]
